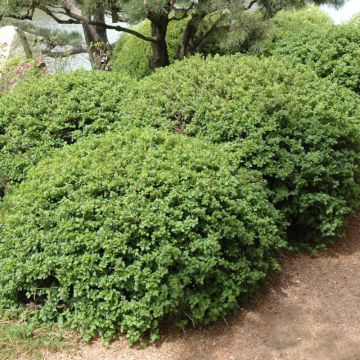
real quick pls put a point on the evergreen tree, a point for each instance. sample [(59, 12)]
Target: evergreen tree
[(206, 18)]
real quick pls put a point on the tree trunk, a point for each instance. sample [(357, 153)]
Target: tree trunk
[(97, 41), (160, 55), (188, 39), (24, 43), (189, 36)]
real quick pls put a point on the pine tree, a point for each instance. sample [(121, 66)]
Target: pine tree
[(206, 18)]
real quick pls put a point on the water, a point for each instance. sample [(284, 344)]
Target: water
[(75, 61)]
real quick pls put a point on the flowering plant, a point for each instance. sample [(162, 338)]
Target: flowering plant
[(14, 72)]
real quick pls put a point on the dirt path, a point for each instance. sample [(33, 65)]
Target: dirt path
[(312, 312)]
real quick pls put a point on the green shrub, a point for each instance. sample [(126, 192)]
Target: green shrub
[(355, 20), (47, 113), (124, 230), (332, 51), (300, 131), (132, 55), (291, 21)]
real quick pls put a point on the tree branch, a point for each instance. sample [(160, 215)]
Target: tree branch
[(184, 15), (78, 19), (121, 29), (211, 31), (58, 20), (251, 4)]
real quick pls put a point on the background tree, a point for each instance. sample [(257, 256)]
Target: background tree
[(89, 14), (206, 18)]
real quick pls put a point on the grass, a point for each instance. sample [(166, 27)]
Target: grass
[(19, 341)]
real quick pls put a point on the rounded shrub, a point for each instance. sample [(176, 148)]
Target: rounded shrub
[(332, 51), (122, 231), (47, 113), (300, 131), (288, 21), (355, 20), (132, 55)]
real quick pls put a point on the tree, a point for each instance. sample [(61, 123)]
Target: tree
[(205, 18), (91, 15)]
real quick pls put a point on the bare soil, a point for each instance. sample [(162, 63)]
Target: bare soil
[(310, 312)]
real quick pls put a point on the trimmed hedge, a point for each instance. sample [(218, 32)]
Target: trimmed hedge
[(301, 132), (119, 232), (47, 113), (132, 55), (332, 51)]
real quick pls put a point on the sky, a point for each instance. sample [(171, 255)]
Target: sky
[(350, 8)]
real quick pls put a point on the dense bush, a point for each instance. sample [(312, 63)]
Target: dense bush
[(355, 20), (289, 21), (300, 131), (122, 231), (132, 55), (332, 51), (47, 113)]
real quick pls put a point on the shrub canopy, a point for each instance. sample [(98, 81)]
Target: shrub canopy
[(47, 113), (332, 51), (121, 231), (355, 20), (289, 21), (300, 131)]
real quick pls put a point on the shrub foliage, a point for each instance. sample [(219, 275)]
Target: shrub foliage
[(122, 231), (332, 51), (47, 113), (301, 132)]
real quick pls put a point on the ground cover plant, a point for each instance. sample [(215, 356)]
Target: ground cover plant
[(47, 113), (122, 231), (301, 132), (20, 340)]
